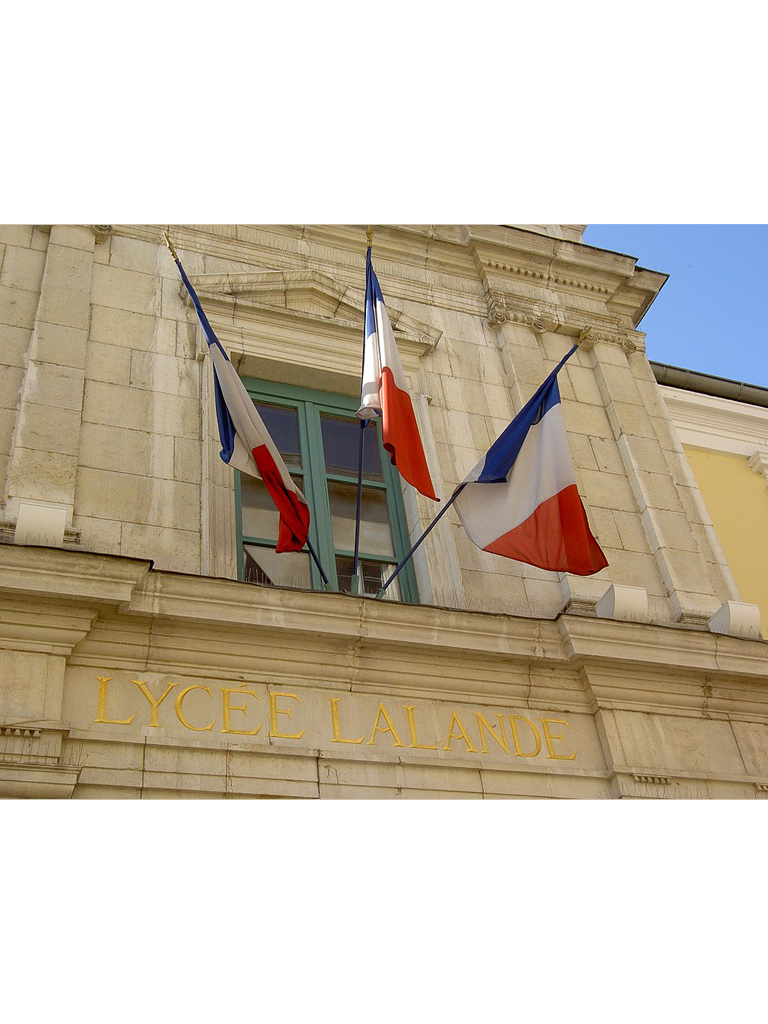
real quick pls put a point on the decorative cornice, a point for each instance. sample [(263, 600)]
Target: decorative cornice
[(102, 231), (653, 780), (542, 316), (720, 425)]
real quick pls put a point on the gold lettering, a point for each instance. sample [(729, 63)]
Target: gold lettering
[(101, 713), (180, 712), (390, 728), (154, 704), (484, 724), (225, 692), (337, 737), (410, 711), (514, 719), (274, 711), (462, 734), (545, 722)]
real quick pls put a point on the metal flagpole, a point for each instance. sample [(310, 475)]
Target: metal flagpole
[(317, 563), (358, 586), (431, 526)]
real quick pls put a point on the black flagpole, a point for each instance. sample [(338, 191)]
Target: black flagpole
[(434, 523), (357, 583)]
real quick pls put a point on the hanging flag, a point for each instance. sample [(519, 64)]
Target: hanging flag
[(385, 392), (245, 441), (521, 500)]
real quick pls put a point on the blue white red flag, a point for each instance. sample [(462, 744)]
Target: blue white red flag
[(385, 391), (521, 499), (245, 441)]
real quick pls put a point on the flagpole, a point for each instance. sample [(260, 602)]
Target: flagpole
[(357, 578), (313, 553), (431, 526)]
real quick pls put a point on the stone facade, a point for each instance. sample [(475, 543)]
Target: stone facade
[(134, 662)]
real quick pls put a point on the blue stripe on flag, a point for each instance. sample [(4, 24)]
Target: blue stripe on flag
[(505, 449), (226, 426), (372, 292)]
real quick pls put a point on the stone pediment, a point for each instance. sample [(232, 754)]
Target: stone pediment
[(302, 318), (308, 293)]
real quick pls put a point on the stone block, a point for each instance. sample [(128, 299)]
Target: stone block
[(493, 592), (587, 419), (634, 569), (632, 532), (14, 345), (545, 596), (607, 455), (126, 290), (137, 499), (7, 427), (46, 476), (101, 536), (22, 268), (655, 490), (643, 453), (61, 346), (581, 452), (40, 238), (669, 530), (584, 383), (11, 381), (16, 234), (60, 387), (626, 418), (64, 305), (187, 460), (158, 372), (18, 307), (46, 428), (109, 364), (136, 409), (144, 257), (608, 490), (602, 522), (130, 451), (686, 572), (74, 236), (132, 330), (617, 383), (170, 549)]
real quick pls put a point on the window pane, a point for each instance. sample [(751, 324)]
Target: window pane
[(341, 442), (260, 515), (374, 574), (283, 427), (375, 532), (264, 565)]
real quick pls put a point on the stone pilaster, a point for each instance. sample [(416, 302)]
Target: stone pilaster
[(43, 464)]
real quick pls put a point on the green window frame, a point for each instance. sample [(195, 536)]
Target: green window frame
[(313, 477)]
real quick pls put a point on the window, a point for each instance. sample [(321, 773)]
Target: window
[(318, 435)]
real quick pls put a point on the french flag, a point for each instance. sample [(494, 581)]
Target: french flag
[(245, 441), (385, 392), (521, 500)]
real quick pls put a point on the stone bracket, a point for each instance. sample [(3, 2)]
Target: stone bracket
[(734, 618)]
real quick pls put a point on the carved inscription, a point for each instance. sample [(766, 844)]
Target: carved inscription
[(241, 711)]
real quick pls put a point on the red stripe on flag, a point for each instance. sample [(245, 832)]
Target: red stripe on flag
[(555, 537), (294, 514), (401, 435)]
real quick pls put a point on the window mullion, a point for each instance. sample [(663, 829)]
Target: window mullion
[(320, 508)]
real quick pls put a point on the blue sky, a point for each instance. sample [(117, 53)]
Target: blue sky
[(711, 313)]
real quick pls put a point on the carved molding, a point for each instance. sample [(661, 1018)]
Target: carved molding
[(758, 461), (541, 316), (720, 424), (102, 231), (653, 780)]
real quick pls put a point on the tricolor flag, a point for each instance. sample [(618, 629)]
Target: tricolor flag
[(521, 500), (245, 441), (385, 392)]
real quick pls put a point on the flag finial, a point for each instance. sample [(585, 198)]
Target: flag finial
[(168, 243), (369, 236)]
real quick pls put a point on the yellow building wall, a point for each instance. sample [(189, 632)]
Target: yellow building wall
[(737, 500)]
